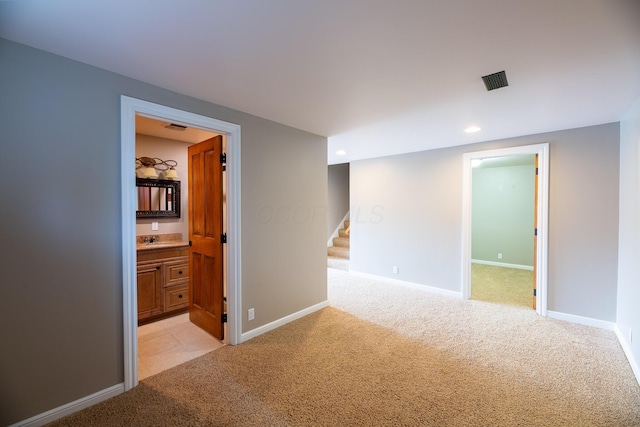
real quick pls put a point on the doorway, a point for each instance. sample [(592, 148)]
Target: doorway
[(502, 224), (130, 107), (541, 216), (166, 335)]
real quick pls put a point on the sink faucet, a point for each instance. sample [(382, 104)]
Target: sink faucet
[(149, 239)]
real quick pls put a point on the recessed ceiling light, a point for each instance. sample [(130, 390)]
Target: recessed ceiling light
[(341, 152), (472, 129)]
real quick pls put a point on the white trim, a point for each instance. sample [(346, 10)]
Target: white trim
[(70, 408), (337, 230), (502, 264), (542, 150), (283, 321), (129, 108), (411, 285), (627, 351), (587, 321)]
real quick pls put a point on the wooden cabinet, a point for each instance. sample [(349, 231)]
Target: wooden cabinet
[(149, 290), (163, 282)]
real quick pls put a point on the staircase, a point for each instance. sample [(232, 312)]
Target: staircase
[(340, 248)]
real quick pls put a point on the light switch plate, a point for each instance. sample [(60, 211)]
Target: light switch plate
[(154, 226)]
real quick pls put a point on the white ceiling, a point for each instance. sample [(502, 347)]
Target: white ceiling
[(377, 77)]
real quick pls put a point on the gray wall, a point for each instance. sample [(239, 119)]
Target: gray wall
[(629, 268), (503, 214), (61, 296), (407, 212), (338, 204)]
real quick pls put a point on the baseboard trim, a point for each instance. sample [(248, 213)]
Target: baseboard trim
[(70, 408), (411, 285), (283, 321), (502, 264), (627, 352), (587, 321)]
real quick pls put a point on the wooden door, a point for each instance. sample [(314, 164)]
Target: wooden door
[(535, 234), (206, 303)]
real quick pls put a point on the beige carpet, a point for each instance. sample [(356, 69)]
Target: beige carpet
[(338, 263), (502, 285), (385, 355)]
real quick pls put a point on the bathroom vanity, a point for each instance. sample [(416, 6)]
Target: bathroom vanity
[(162, 278)]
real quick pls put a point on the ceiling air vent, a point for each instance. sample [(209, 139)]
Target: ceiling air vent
[(174, 126), (495, 80)]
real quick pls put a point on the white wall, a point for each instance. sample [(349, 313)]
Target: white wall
[(407, 212), (628, 315)]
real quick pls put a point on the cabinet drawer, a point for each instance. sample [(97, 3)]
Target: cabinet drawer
[(176, 272), (176, 297)]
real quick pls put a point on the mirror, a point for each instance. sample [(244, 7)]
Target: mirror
[(158, 198)]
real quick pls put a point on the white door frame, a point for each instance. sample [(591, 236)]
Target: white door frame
[(129, 108), (542, 150)]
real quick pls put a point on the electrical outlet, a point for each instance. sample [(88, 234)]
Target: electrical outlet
[(499, 256), (251, 314), (396, 270), (154, 226)]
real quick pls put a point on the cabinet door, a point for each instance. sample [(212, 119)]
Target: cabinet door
[(149, 290)]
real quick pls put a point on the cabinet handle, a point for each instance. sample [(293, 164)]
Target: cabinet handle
[(180, 272), (180, 296)]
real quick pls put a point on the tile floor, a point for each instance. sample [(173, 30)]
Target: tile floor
[(170, 342)]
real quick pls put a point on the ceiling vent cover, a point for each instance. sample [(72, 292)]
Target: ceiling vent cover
[(495, 80), (174, 126)]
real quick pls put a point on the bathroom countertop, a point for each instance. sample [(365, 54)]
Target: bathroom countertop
[(171, 240), (161, 245)]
